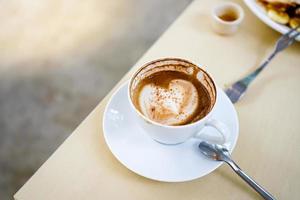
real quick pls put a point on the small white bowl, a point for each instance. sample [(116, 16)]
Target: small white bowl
[(227, 27)]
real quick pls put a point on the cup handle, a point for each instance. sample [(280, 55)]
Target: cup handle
[(222, 129)]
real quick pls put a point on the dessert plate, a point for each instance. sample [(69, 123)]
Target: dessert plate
[(262, 15), (132, 146)]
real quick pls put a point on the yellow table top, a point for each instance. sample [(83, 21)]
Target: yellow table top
[(268, 147)]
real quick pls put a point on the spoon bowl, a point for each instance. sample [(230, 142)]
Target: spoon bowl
[(214, 151)]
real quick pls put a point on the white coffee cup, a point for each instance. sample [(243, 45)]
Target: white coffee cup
[(167, 134), (223, 26)]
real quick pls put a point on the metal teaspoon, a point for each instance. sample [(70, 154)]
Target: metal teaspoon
[(221, 153)]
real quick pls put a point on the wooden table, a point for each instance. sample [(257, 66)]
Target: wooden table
[(268, 147)]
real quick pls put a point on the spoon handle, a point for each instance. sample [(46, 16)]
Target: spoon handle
[(250, 181)]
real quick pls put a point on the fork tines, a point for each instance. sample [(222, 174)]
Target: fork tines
[(292, 33)]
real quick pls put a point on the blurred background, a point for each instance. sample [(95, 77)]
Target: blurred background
[(58, 59)]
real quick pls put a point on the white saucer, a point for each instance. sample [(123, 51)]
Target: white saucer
[(170, 163)]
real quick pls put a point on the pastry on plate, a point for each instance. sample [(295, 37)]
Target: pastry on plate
[(285, 12)]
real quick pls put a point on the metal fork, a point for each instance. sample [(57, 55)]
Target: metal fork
[(238, 89)]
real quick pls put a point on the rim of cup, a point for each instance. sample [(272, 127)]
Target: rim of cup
[(163, 125), (236, 8)]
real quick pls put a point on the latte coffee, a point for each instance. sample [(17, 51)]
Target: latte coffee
[(172, 92)]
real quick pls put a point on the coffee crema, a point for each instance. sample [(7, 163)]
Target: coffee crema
[(172, 94)]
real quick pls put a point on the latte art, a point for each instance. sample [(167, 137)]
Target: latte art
[(172, 105), (171, 97)]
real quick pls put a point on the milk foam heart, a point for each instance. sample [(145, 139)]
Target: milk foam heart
[(170, 106)]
